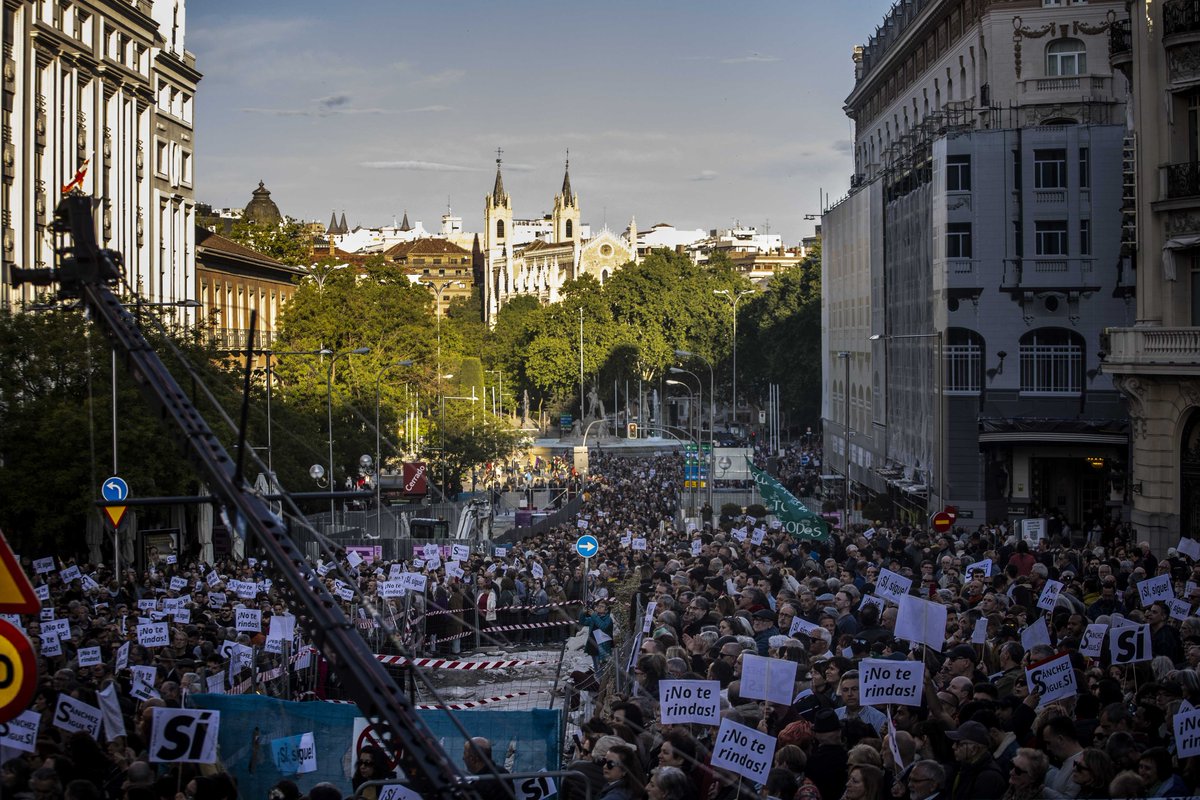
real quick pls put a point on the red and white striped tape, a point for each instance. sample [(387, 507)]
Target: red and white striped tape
[(445, 663), (477, 703), (509, 608), (530, 626)]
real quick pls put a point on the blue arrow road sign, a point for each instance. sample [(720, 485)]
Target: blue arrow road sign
[(114, 490), (587, 546)]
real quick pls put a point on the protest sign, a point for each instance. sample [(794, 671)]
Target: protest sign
[(872, 600), (757, 537), (42, 591), (1093, 640), (1130, 644), (770, 679), (69, 574), (453, 570), (1053, 678), (891, 586), (1180, 609), (984, 566), (1049, 595), (215, 683), (538, 571), (743, 750), (178, 583), (414, 581), (682, 702), (147, 604), (75, 715), (921, 622), (534, 788), (884, 681), (60, 628), (1189, 548), (184, 736), (980, 632), (110, 711), (353, 559), (391, 588), (397, 791), (89, 656), (247, 619), (295, 755), (43, 565), (1035, 634), (212, 578), (122, 657), (801, 625), (1187, 733), (697, 545), (1033, 531), (217, 599), (1156, 588), (21, 732), (648, 617), (460, 552), (639, 543), (283, 626), (739, 534), (154, 634)]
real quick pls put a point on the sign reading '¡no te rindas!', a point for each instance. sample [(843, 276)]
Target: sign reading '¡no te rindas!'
[(794, 517)]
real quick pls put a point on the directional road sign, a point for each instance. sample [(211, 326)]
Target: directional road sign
[(587, 546), (115, 490)]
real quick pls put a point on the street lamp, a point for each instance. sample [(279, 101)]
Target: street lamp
[(733, 298), (845, 356), (699, 419), (270, 354), (358, 351), (378, 454), (438, 288), (940, 377), (712, 410), (696, 438)]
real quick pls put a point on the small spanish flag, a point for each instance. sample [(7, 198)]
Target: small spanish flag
[(77, 181)]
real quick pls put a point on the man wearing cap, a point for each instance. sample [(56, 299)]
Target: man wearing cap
[(977, 775), (763, 621), (827, 763), (960, 662)]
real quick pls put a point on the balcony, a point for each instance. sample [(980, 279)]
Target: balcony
[(1066, 88), (1180, 17), (239, 338), (1120, 41), (1049, 273), (1181, 33), (1153, 351), (1180, 181)]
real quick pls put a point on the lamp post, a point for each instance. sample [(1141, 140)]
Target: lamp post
[(358, 351), (438, 288), (699, 418), (378, 454), (845, 356), (712, 411), (270, 354), (500, 390), (696, 438), (734, 297), (940, 377)]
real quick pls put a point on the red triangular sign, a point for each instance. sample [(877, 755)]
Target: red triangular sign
[(16, 592), (115, 515)]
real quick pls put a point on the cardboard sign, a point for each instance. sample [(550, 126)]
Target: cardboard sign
[(414, 581), (980, 632), (178, 583), (1035, 634), (984, 566), (1054, 678), (1130, 644), (1180, 609), (1093, 640), (921, 622), (69, 574), (21, 733), (460, 552), (184, 736), (770, 679), (884, 681), (295, 755), (1049, 596), (390, 588), (122, 657), (1186, 725), (682, 702), (90, 656), (743, 750), (1187, 547), (891, 586), (1154, 589), (247, 619), (154, 634), (75, 715), (1033, 531), (639, 544), (43, 565)]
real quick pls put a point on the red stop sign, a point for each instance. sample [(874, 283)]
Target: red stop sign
[(941, 521)]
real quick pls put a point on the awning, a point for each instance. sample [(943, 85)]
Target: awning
[(1058, 431)]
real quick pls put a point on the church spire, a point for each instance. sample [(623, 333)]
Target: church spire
[(404, 226), (498, 189), (342, 225), (333, 225), (566, 187)]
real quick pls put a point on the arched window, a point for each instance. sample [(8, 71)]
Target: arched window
[(964, 360), (1052, 361), (570, 228), (499, 229), (1066, 57)]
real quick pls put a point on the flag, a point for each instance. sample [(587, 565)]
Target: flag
[(77, 181), (794, 516)]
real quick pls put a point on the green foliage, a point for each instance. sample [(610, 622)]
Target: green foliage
[(289, 242)]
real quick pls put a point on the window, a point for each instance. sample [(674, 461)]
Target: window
[(958, 174), (1050, 237), (499, 229), (1195, 290), (570, 228), (1016, 170), (1052, 362), (1085, 237), (186, 167), (160, 157), (1050, 169), (964, 360), (958, 240), (1085, 168), (1066, 57)]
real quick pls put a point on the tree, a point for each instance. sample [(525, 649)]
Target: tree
[(289, 243)]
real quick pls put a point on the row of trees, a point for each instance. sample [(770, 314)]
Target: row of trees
[(56, 396)]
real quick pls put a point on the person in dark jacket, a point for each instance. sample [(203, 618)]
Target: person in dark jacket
[(764, 628), (977, 775), (827, 762)]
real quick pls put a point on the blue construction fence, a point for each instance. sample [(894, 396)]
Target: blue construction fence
[(250, 723)]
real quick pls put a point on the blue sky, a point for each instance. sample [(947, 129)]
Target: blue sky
[(695, 113)]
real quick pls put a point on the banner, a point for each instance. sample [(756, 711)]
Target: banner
[(743, 750), (794, 516), (295, 755), (1054, 678), (697, 702), (184, 735), (884, 681)]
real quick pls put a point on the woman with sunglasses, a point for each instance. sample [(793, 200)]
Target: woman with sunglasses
[(1027, 775), (371, 766), (623, 775)]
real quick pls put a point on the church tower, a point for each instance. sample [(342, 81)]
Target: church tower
[(633, 239), (565, 217), (497, 248)]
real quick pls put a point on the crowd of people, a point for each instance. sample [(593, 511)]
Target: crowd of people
[(720, 592)]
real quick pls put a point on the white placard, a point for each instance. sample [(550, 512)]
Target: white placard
[(247, 619), (215, 683), (414, 581), (60, 628), (90, 656), (391, 588), (75, 715), (42, 591), (1180, 609), (431, 551), (122, 657), (1154, 589), (110, 712), (697, 702), (69, 574), (212, 578), (1049, 595), (921, 622), (1187, 733), (154, 634), (353, 559), (891, 586), (697, 546), (639, 543), (178, 583), (499, 552), (172, 559), (1189, 547), (282, 627), (295, 755), (397, 791), (985, 566), (1035, 634), (1033, 531), (756, 538), (147, 604), (460, 552), (869, 534), (143, 675), (453, 570), (184, 736), (872, 600), (1093, 640), (883, 681), (534, 788), (345, 593), (21, 732), (979, 634), (582, 524), (1054, 678), (739, 534), (801, 625), (1130, 644), (772, 679), (648, 617), (43, 565), (217, 599), (538, 572), (418, 563), (743, 750)]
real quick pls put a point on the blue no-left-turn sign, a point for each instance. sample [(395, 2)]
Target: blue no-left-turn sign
[(114, 490), (587, 546)]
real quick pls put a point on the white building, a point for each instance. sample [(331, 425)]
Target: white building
[(665, 236), (109, 85)]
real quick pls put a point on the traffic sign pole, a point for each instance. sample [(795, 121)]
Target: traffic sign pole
[(115, 490)]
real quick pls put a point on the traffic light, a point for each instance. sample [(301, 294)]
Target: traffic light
[(631, 430)]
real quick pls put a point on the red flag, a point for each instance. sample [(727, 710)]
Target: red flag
[(77, 181)]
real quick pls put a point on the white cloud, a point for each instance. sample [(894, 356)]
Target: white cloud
[(753, 58), (704, 175), (419, 166)]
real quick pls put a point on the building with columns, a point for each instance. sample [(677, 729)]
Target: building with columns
[(561, 249), (105, 85), (970, 272)]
